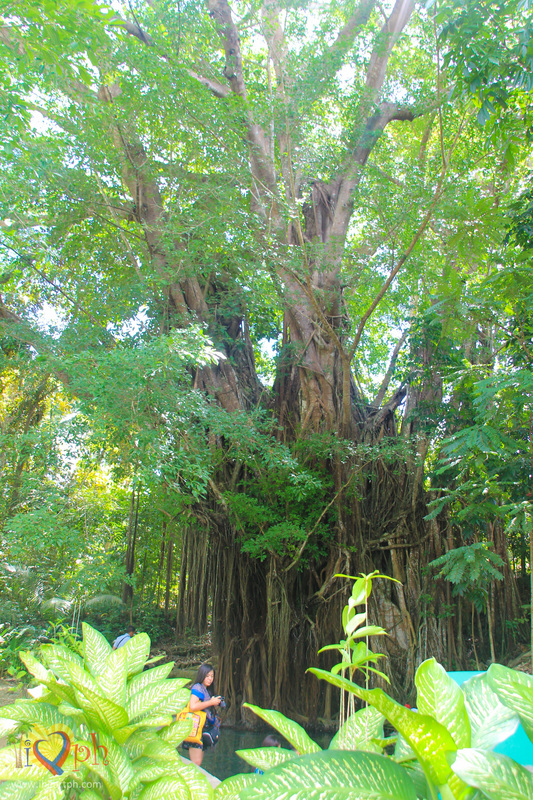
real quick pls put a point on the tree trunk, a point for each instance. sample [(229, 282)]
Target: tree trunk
[(127, 587)]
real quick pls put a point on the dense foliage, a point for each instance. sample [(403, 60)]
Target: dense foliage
[(265, 317)]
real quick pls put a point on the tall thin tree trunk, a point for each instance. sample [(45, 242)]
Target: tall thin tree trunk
[(127, 588), (161, 561), (170, 552)]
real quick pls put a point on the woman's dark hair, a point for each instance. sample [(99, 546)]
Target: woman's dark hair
[(203, 672), (271, 741)]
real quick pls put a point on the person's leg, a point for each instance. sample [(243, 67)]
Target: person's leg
[(196, 754)]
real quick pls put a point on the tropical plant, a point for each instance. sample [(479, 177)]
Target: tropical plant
[(356, 654), (115, 722), (471, 570), (444, 748)]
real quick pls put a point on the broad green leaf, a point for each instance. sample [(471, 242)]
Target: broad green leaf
[(32, 712), (167, 789), (103, 771), (334, 775), (368, 630), (50, 789), (440, 697), (17, 790), (491, 721), (429, 739), (137, 650), (176, 732), (404, 755), (196, 781), (290, 730), (359, 730), (58, 659), (153, 675), (118, 762), (155, 721), (96, 649), (34, 666), (138, 741), (498, 777), (147, 770), (266, 757), (80, 678), (90, 794), (231, 788), (155, 748), (101, 710), (12, 769), (515, 690), (354, 623), (166, 695), (111, 679)]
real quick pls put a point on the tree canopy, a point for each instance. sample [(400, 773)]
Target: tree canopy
[(265, 313)]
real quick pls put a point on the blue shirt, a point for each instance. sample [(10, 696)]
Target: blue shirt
[(120, 641), (200, 691)]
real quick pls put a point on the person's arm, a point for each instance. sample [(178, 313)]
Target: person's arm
[(195, 704)]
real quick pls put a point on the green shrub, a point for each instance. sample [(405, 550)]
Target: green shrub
[(115, 718)]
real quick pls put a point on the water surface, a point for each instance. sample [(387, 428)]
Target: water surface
[(222, 760)]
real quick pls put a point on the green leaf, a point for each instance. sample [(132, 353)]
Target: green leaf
[(34, 666), (51, 789), (176, 732), (112, 678), (11, 768), (429, 739), (266, 757), (495, 775), (58, 659), (334, 775), (230, 789), (167, 695), (118, 762), (100, 711), (153, 675), (138, 651), (32, 712), (515, 690), (440, 697), (96, 649), (359, 730), (290, 730), (491, 721), (167, 789), (17, 790)]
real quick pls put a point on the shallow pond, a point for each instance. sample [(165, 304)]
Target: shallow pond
[(222, 760)]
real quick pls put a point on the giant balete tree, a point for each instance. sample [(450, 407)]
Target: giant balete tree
[(283, 180)]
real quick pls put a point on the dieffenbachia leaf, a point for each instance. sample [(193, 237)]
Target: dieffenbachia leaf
[(359, 730), (497, 776), (290, 730), (440, 697), (515, 690), (429, 739), (491, 721), (334, 775)]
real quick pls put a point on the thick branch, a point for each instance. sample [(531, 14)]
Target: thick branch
[(322, 69), (263, 169), (374, 127), (388, 375), (391, 30)]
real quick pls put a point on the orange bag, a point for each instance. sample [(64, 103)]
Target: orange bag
[(198, 717)]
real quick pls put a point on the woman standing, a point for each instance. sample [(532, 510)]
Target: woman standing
[(203, 699)]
